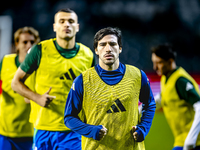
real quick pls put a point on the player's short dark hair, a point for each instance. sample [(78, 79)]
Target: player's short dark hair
[(164, 51), (107, 31), (67, 10)]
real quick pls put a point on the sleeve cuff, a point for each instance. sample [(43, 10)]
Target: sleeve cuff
[(141, 133), (96, 135)]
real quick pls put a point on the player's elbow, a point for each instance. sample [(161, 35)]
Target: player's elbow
[(17, 79), (67, 120), (14, 84)]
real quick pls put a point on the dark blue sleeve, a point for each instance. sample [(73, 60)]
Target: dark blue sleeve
[(148, 108), (72, 109)]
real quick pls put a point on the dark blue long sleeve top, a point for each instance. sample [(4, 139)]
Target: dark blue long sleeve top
[(75, 98)]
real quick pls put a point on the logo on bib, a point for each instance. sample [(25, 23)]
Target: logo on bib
[(117, 107), (67, 75)]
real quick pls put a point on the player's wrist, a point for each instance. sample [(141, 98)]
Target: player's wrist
[(36, 97), (141, 134), (97, 135)]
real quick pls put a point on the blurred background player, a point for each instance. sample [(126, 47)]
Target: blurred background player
[(179, 98), (16, 132), (105, 98), (57, 63)]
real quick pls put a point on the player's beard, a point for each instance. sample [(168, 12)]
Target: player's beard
[(110, 63)]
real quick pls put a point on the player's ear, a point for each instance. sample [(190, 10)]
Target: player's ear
[(16, 46), (170, 61), (120, 49), (54, 27), (77, 27), (96, 51)]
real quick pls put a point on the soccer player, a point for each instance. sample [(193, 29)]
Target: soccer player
[(16, 132), (102, 104), (57, 63), (179, 98)]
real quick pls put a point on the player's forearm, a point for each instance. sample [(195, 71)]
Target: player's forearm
[(76, 125), (148, 111), (19, 87), (72, 108), (73, 122)]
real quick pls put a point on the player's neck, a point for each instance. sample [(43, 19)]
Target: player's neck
[(109, 67), (171, 69), (66, 44), (21, 57)]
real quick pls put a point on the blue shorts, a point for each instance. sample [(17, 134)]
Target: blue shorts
[(181, 148), (55, 140), (8, 143)]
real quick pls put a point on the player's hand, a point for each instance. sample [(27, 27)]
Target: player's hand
[(45, 99), (135, 134), (102, 133)]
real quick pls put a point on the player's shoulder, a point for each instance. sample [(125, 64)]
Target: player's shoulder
[(132, 68), (35, 49), (38, 47), (183, 81), (77, 81), (9, 56), (87, 73), (179, 71), (140, 72), (86, 52), (45, 43), (89, 70)]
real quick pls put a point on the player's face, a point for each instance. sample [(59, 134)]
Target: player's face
[(108, 50), (161, 66), (25, 42), (66, 25)]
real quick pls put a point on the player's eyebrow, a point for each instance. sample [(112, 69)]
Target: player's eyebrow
[(109, 42), (102, 43), (112, 42), (69, 19)]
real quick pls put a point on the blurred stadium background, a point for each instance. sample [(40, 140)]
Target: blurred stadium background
[(144, 23)]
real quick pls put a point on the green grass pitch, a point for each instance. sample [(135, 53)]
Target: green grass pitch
[(160, 136)]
